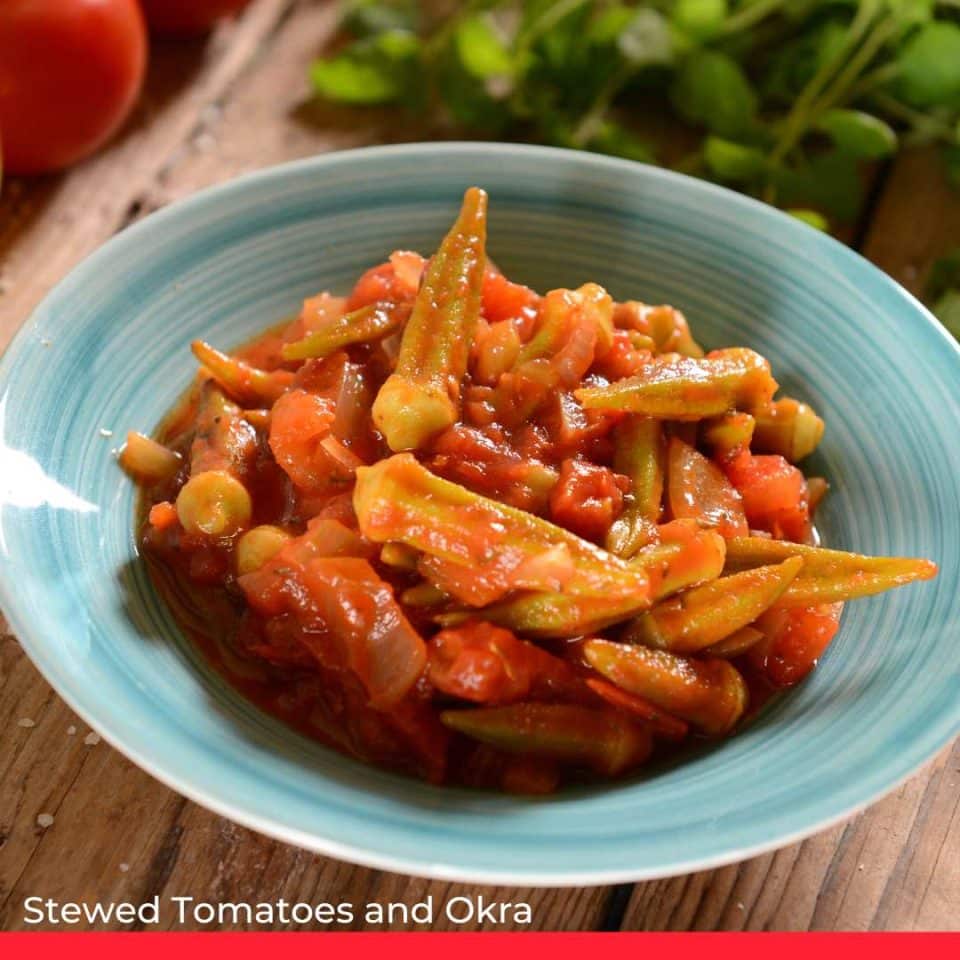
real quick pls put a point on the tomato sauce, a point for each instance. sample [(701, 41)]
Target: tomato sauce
[(485, 538)]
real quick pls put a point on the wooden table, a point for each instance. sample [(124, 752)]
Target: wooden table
[(231, 104)]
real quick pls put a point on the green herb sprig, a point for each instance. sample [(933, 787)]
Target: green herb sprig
[(784, 99)]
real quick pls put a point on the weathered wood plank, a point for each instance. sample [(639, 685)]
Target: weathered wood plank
[(49, 224), (833, 881), (270, 118)]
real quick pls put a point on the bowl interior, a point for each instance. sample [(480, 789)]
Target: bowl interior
[(108, 351)]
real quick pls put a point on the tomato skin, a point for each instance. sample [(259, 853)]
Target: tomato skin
[(587, 498), (188, 16), (505, 300), (795, 639), (397, 280), (774, 494), (70, 72)]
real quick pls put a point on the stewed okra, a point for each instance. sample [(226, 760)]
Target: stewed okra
[(484, 536)]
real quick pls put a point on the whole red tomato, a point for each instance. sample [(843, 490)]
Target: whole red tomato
[(70, 71), (188, 16)]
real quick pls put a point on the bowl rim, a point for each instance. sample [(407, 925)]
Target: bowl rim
[(937, 735)]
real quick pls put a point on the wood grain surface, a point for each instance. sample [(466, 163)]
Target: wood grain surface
[(235, 102)]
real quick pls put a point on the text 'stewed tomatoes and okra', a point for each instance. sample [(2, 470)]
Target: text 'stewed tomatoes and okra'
[(483, 536)]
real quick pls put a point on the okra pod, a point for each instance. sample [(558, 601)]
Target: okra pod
[(665, 327), (601, 740), (693, 556), (424, 595), (147, 459), (487, 547), (661, 723), (707, 614), (554, 614), (366, 325), (828, 576), (708, 693), (639, 455), (630, 532), (244, 383), (684, 388), (259, 545), (729, 433), (223, 439), (214, 502), (585, 312), (399, 555), (787, 427), (685, 556), (736, 644), (422, 396)]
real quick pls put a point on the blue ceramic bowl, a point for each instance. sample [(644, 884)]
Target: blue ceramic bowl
[(108, 350)]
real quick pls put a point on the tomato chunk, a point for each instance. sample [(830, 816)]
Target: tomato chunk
[(396, 280), (484, 663), (587, 498), (774, 492), (301, 441), (505, 300), (794, 639), (487, 463)]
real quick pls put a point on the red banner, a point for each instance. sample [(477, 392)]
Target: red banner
[(477, 946)]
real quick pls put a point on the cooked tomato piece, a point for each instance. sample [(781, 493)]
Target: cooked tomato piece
[(587, 498), (623, 359), (300, 438), (504, 300), (347, 616), (396, 280), (483, 663), (571, 430), (374, 637), (794, 639), (774, 493), (486, 462), (317, 312)]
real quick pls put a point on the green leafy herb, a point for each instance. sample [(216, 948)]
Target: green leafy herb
[(928, 66), (701, 19), (482, 51), (712, 90), (788, 100), (378, 69), (859, 134), (734, 162)]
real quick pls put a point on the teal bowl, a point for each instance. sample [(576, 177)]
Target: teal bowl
[(108, 351)]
